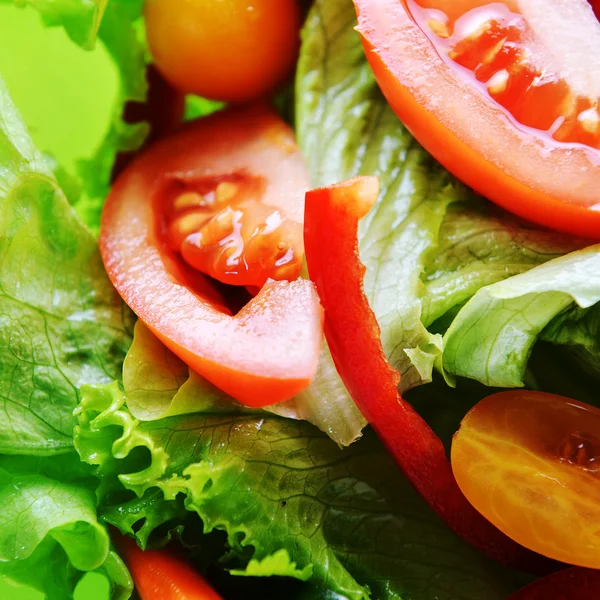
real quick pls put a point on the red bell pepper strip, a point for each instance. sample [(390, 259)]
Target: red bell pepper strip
[(160, 575), (330, 236), (569, 584)]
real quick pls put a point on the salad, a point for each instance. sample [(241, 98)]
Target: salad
[(300, 299)]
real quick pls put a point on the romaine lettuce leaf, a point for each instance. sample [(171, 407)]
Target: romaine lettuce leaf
[(276, 485), (430, 243), (345, 128), (491, 338), (49, 533), (61, 322), (480, 244)]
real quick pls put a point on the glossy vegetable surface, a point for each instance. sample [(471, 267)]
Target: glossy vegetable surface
[(269, 350), (331, 223), (232, 50), (530, 463), (502, 93), (161, 575)]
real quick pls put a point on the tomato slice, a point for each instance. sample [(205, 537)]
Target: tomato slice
[(530, 463), (266, 353), (354, 337), (161, 575), (503, 93)]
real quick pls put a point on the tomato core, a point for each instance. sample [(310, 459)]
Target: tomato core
[(530, 463), (221, 227), (496, 44)]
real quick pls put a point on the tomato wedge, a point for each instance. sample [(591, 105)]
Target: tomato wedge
[(160, 575), (269, 351), (503, 93), (330, 233)]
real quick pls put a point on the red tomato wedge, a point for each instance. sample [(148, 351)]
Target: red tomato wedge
[(331, 237), (505, 94), (160, 575), (269, 351), (569, 584)]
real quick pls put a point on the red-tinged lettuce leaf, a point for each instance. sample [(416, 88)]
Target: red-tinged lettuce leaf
[(274, 485)]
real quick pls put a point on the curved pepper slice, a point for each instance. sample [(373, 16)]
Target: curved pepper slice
[(160, 575), (569, 584), (269, 351), (330, 237)]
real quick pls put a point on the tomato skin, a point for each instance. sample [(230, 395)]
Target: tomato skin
[(231, 50), (548, 183), (269, 351), (568, 584), (160, 575), (530, 463), (331, 238)]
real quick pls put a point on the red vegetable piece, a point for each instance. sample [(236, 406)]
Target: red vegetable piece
[(570, 584), (330, 236), (162, 575)]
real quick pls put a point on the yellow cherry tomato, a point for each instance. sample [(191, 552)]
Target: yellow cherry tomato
[(231, 50), (530, 463)]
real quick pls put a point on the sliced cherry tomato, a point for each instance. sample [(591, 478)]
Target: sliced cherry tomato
[(503, 93), (232, 50), (160, 575), (330, 233), (530, 463), (232, 161), (568, 584)]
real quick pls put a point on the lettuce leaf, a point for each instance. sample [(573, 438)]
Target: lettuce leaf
[(429, 244), (491, 338), (116, 26), (346, 128), (158, 384), (80, 18), (49, 532), (346, 517), (480, 244), (61, 322)]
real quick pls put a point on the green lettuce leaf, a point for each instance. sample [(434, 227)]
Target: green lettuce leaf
[(480, 244), (491, 338), (80, 18), (49, 533), (116, 26), (61, 322), (276, 485), (121, 33), (346, 128), (579, 331), (429, 244), (158, 384)]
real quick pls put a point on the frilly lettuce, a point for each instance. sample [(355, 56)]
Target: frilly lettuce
[(290, 501)]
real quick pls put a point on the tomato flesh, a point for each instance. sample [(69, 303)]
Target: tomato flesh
[(530, 463), (269, 350), (504, 94), (493, 43)]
